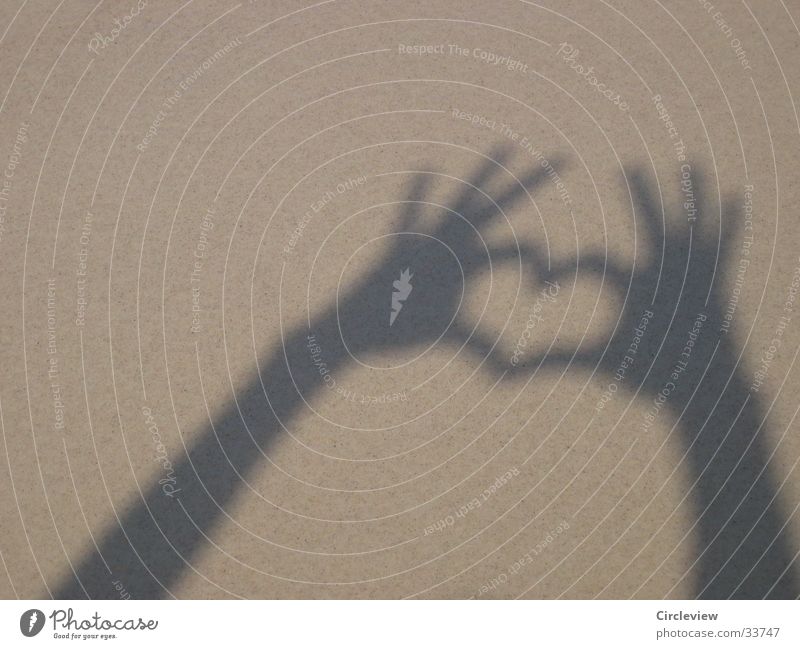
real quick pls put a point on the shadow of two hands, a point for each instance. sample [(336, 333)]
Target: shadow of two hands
[(741, 539)]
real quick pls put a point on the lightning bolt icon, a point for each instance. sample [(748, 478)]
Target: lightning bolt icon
[(32, 621), (402, 289)]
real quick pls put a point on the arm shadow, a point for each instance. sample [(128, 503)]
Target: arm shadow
[(743, 548)]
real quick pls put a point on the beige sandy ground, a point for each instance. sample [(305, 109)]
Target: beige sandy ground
[(189, 197)]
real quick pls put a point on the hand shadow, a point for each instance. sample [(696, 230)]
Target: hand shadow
[(154, 543), (743, 547)]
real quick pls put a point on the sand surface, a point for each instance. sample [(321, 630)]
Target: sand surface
[(399, 299)]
